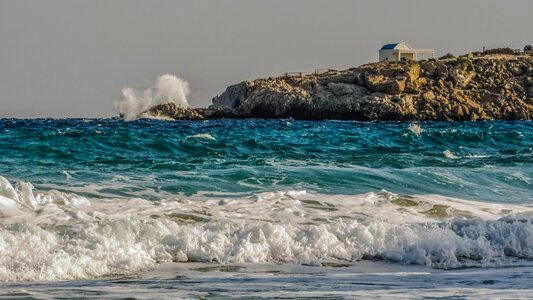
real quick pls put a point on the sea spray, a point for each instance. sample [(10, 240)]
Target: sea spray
[(168, 88), (415, 128)]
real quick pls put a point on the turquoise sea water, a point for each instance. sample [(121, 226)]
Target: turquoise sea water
[(104, 208), (486, 161)]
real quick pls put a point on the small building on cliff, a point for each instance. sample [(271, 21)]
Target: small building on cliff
[(399, 51)]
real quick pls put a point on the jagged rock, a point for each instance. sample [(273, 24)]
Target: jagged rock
[(233, 95), (470, 87), (530, 91), (507, 50), (428, 96), (171, 110), (412, 72), (516, 70), (442, 71), (461, 77), (447, 56), (382, 84), (340, 89)]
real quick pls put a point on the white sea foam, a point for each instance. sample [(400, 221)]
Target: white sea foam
[(477, 156), (521, 177), (449, 154), (52, 235), (206, 136), (67, 174), (160, 118), (415, 128)]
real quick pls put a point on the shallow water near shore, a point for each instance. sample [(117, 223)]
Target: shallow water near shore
[(376, 280), (271, 208)]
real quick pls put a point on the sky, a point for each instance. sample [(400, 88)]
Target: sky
[(70, 58)]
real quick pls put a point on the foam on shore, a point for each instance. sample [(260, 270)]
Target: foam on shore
[(56, 236)]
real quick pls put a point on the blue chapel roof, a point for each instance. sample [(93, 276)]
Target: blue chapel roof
[(389, 46)]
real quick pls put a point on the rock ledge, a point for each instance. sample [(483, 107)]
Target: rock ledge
[(470, 87)]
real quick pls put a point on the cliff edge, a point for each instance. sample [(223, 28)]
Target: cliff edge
[(470, 87)]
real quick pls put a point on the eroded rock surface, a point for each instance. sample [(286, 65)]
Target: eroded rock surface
[(174, 111), (470, 87)]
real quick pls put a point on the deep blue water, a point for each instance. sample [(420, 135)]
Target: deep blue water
[(153, 159)]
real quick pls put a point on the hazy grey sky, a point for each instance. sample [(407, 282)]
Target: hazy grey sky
[(71, 58)]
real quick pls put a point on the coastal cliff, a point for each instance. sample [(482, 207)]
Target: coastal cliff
[(470, 87)]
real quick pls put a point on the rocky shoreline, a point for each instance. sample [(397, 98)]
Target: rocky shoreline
[(476, 86)]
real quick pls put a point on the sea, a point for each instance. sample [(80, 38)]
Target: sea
[(284, 209)]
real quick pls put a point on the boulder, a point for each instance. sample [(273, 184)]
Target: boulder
[(428, 96), (442, 71), (517, 70), (460, 76), (382, 84), (174, 111)]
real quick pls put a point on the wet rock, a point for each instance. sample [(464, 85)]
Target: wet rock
[(174, 111)]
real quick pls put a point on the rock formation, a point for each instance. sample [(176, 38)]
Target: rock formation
[(470, 87), (174, 111)]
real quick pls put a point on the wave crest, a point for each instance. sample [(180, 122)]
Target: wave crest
[(66, 236), (168, 88)]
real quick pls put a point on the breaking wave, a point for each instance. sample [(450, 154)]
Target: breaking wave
[(51, 235), (168, 88)]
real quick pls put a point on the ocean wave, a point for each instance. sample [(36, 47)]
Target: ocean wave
[(264, 155), (415, 128), (159, 118), (206, 136), (52, 235), (449, 154)]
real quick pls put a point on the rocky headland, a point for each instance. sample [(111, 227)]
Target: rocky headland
[(477, 86)]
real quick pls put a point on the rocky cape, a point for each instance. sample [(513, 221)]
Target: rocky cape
[(471, 87)]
